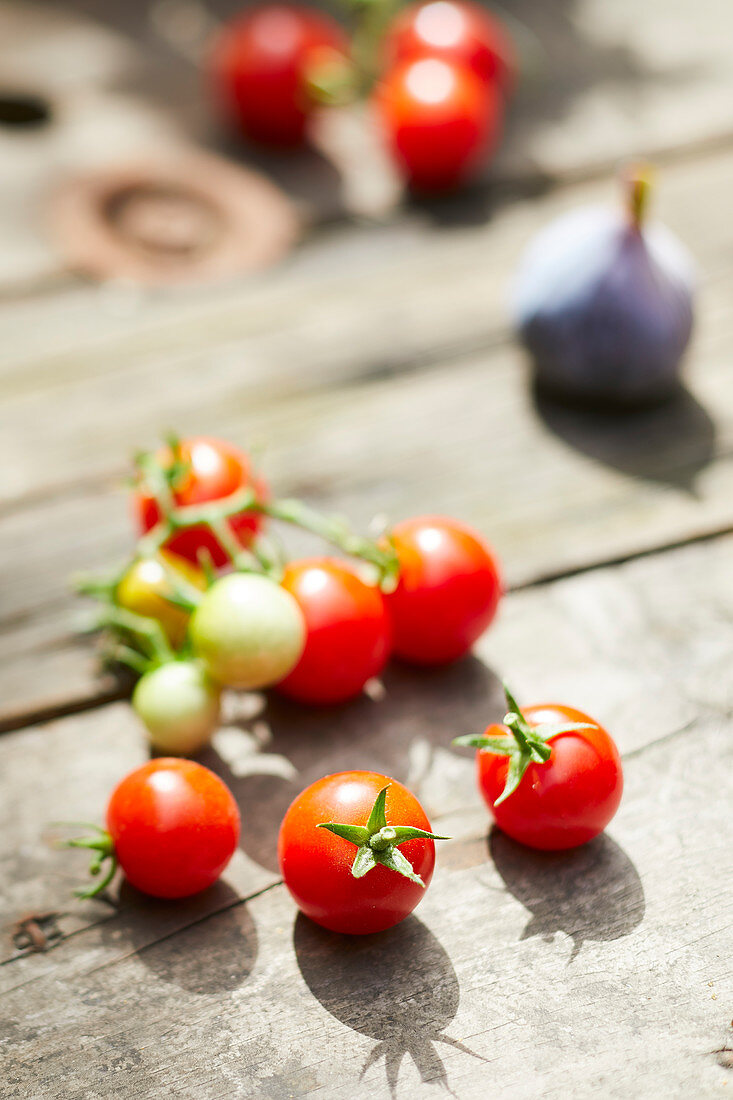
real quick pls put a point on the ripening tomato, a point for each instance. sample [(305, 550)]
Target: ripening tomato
[(178, 703), (453, 30), (555, 787), (356, 852), (347, 631), (248, 631), (217, 470), (440, 120), (147, 582), (172, 827), (260, 67), (448, 591)]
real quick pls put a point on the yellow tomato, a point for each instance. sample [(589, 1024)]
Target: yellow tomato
[(145, 585)]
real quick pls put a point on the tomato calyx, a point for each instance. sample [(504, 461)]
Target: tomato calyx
[(525, 745), (377, 842), (102, 845), (331, 79)]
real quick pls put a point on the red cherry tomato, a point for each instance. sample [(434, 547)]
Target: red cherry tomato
[(453, 31), (347, 639), (448, 591), (174, 826), (439, 119), (564, 801), (260, 67), (218, 469), (316, 865)]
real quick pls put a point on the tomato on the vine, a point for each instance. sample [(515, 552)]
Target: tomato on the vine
[(453, 30), (356, 852), (448, 591), (347, 631), (178, 704), (145, 585), (550, 775), (260, 68), (172, 826), (212, 470), (248, 631), (440, 119)]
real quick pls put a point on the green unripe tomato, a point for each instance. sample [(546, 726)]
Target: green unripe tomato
[(248, 631), (179, 705)]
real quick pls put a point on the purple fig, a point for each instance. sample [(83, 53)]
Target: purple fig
[(604, 303)]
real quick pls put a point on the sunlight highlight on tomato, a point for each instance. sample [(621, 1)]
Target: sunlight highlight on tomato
[(174, 826), (317, 865), (440, 119), (452, 30), (448, 592), (567, 800)]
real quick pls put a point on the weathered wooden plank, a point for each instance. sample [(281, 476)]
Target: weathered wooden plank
[(65, 771), (596, 972), (253, 363), (643, 646), (557, 492), (351, 303)]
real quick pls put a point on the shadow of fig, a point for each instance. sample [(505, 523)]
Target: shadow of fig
[(670, 443)]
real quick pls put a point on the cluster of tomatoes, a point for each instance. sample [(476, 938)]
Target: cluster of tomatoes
[(436, 76), (209, 602)]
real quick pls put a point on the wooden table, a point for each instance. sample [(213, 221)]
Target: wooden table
[(375, 371)]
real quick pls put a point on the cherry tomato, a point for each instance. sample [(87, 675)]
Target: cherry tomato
[(440, 119), (260, 68), (174, 826), (347, 631), (179, 705), (564, 801), (448, 591), (217, 469), (248, 631), (453, 30), (145, 584), (318, 865)]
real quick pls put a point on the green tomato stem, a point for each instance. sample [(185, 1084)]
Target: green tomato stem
[(334, 530), (147, 631), (104, 853), (377, 842), (525, 745), (216, 514)]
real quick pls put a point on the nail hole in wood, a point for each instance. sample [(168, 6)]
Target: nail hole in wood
[(22, 111)]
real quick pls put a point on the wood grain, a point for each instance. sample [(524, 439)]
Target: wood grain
[(325, 369), (600, 972)]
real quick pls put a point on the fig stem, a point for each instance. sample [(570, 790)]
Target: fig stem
[(638, 179)]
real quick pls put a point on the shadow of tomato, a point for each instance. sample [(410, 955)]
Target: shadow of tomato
[(398, 987)]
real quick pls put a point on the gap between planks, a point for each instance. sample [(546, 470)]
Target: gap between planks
[(11, 722)]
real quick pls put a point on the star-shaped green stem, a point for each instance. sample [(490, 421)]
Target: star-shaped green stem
[(525, 745), (377, 842)]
